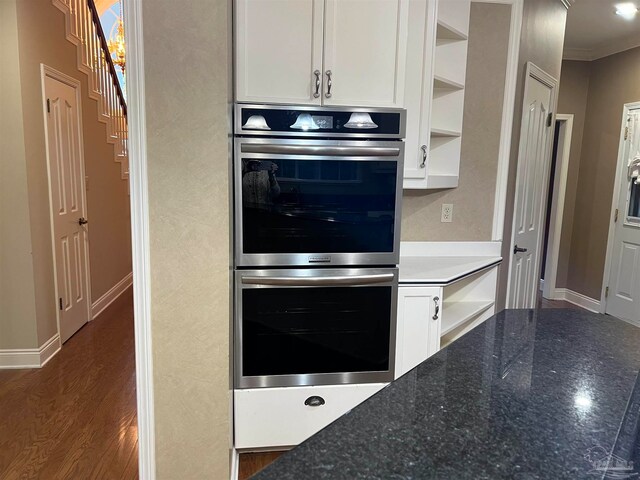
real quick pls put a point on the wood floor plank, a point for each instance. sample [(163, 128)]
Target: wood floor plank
[(76, 416)]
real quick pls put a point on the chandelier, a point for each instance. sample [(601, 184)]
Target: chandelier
[(116, 44)]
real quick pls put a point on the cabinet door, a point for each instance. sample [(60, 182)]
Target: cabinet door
[(365, 51), (418, 334), (278, 49), (418, 91)]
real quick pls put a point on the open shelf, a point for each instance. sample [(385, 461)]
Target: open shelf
[(440, 82), (441, 132), (449, 32), (456, 314), (442, 181)]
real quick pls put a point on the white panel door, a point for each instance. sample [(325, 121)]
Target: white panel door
[(66, 172), (278, 51), (418, 333), (364, 52), (624, 280), (531, 179)]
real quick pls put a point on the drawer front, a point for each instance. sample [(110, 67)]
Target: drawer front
[(278, 417)]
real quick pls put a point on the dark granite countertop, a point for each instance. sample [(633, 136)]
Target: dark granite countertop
[(529, 394)]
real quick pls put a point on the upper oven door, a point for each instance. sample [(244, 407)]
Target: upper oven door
[(317, 202)]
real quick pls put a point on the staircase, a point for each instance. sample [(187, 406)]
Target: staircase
[(83, 29)]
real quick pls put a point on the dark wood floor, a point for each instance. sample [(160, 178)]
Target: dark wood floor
[(75, 418)]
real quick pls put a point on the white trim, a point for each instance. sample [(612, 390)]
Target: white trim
[(140, 238), (614, 204), (508, 107), (235, 464), (610, 48), (46, 71), (557, 203), (30, 357), (111, 295), (578, 299), (535, 72)]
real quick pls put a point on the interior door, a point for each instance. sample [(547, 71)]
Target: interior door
[(364, 52), (279, 51), (624, 279), (66, 171), (531, 179)]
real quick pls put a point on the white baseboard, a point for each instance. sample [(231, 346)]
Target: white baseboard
[(578, 299), (108, 298), (30, 357)]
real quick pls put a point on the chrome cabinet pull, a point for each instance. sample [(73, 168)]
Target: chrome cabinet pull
[(329, 84), (424, 156), (314, 401), (317, 73), (436, 300)]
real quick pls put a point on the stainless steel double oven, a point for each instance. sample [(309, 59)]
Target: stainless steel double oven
[(317, 195)]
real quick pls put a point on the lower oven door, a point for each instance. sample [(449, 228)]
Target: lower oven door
[(315, 326)]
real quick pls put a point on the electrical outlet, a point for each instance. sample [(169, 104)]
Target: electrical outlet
[(447, 213)]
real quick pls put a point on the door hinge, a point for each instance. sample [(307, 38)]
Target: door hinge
[(549, 119), (626, 132), (615, 216), (606, 292), (60, 302), (48, 106)]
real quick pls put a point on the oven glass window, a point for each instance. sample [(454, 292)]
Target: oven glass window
[(307, 206), (288, 331)]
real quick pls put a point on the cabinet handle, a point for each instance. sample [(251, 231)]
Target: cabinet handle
[(424, 156), (314, 401), (436, 300), (329, 84), (317, 73)]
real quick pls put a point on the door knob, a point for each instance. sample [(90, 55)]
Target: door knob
[(517, 249), (82, 221)]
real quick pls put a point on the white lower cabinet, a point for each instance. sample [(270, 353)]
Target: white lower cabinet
[(284, 417), (419, 320)]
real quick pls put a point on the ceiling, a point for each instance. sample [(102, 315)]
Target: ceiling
[(595, 31)]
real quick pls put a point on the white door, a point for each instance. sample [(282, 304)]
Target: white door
[(531, 179), (418, 333), (66, 173), (364, 52), (279, 51), (623, 300)]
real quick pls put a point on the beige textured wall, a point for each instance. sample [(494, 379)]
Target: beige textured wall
[(541, 42), (473, 199), (572, 99), (614, 81), (41, 40), (188, 126), (17, 290)]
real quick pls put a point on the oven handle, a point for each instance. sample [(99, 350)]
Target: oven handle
[(315, 281), (320, 150)]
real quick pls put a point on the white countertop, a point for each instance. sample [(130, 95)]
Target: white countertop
[(442, 270)]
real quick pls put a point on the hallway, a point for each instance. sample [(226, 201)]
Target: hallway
[(75, 417)]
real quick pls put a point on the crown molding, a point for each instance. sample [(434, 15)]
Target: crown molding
[(567, 3), (611, 48)]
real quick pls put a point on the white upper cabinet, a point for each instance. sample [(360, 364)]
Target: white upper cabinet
[(321, 52), (434, 92), (278, 49), (364, 52)]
